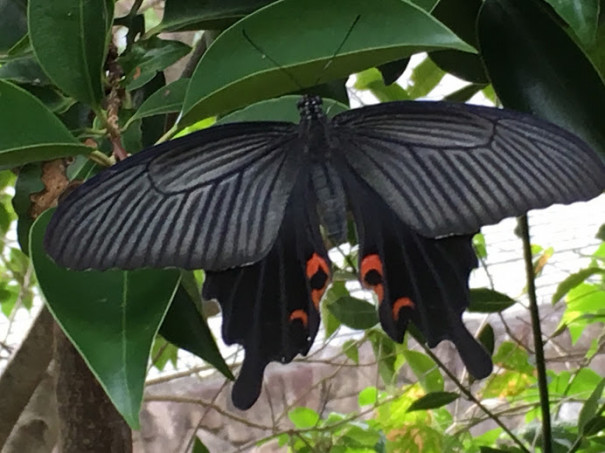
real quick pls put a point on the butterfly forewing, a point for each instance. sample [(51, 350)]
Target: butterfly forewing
[(213, 200), (451, 168)]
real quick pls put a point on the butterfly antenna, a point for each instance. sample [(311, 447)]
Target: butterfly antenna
[(338, 49), (277, 65)]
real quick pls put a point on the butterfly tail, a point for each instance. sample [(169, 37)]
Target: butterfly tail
[(271, 307)]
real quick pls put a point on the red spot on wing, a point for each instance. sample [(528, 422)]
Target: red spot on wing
[(318, 275), (301, 315), (372, 276), (400, 303)]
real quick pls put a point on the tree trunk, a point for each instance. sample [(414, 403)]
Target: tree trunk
[(24, 371), (88, 421)]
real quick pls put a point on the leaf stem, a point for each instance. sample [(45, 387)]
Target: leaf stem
[(537, 333)]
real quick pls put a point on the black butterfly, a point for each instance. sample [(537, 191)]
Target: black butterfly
[(244, 201)]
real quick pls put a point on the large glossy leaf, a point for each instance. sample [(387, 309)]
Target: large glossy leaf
[(111, 318), (185, 327), (286, 50), (536, 67), (29, 131), (13, 23), (207, 15), (69, 37)]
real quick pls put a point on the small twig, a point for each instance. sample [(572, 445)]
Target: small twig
[(210, 405), (114, 102), (471, 397)]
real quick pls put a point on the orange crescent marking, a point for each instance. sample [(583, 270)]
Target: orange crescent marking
[(371, 263), (401, 303), (315, 263), (299, 314), (368, 264)]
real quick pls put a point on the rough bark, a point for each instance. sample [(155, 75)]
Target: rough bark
[(24, 372), (88, 422)]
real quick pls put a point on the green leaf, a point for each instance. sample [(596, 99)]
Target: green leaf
[(427, 5), (433, 401), (51, 98), (512, 357), (460, 16), (351, 350), (163, 352), (20, 48), (35, 133), (287, 33), (303, 417), (207, 15), (185, 327), (487, 338), (385, 353), (367, 396), (590, 407), (574, 280), (149, 56), (426, 370), (594, 426), (425, 77), (485, 300), (479, 245), (392, 70), (69, 37), (199, 447), (463, 95), (111, 318), (167, 99), (24, 70), (13, 23), (372, 80), (536, 67), (582, 16), (334, 292), (354, 313)]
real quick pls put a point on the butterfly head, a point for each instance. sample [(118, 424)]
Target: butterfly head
[(309, 108)]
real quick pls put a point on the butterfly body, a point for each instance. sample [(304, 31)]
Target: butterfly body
[(244, 201)]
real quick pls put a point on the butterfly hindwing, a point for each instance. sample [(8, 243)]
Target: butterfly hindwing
[(415, 279), (449, 168), (214, 199), (271, 307)]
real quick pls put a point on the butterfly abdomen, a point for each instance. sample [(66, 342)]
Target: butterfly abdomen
[(331, 201)]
